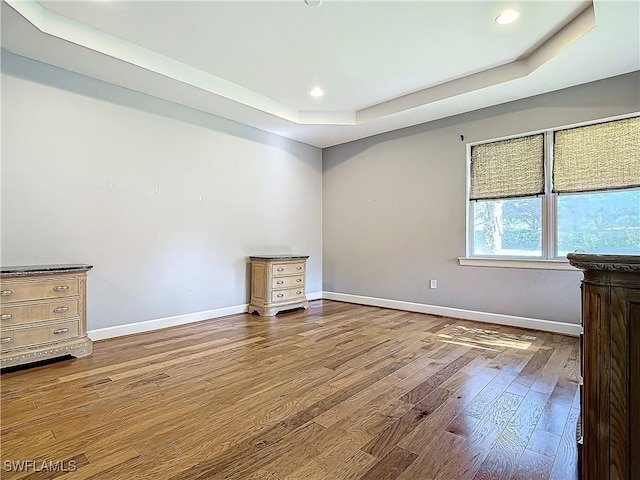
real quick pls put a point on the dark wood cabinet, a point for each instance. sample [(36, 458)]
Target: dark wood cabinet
[(610, 395)]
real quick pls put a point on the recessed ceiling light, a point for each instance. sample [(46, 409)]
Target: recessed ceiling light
[(316, 92), (507, 17), (313, 3)]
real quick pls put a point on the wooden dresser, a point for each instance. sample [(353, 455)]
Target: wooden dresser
[(610, 394), (43, 313), (277, 283)]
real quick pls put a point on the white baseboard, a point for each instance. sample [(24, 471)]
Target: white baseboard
[(166, 322), (314, 296), (523, 322)]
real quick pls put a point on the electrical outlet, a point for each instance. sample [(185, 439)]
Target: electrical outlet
[(433, 284)]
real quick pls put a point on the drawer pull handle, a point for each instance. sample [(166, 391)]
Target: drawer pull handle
[(299, 280), (280, 269), (61, 310), (6, 316), (5, 293), (298, 293), (60, 330), (279, 282), (6, 339), (299, 268), (61, 288), (280, 295)]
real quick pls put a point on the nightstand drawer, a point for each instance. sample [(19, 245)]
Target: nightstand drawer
[(52, 288), (279, 269), (23, 337), (37, 312), (287, 295), (287, 282)]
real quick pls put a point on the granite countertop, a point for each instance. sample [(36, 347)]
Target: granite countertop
[(284, 256), (15, 271)]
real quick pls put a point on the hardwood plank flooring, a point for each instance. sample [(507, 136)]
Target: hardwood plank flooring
[(336, 392)]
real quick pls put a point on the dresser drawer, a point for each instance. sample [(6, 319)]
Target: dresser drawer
[(37, 312), (23, 337), (287, 282), (279, 269), (51, 288), (287, 295)]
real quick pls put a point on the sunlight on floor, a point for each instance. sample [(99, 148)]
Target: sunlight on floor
[(483, 338)]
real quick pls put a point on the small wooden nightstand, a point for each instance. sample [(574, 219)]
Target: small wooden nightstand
[(277, 283)]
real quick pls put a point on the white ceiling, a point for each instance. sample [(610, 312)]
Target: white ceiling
[(382, 64)]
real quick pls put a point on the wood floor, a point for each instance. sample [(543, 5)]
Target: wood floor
[(336, 392)]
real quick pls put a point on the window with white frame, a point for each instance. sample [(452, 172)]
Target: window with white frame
[(543, 195)]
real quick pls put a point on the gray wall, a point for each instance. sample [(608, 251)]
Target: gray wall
[(82, 159), (394, 208), (81, 162)]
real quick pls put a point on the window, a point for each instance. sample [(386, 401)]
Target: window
[(599, 222), (509, 227), (543, 195)]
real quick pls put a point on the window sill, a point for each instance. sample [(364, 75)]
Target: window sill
[(516, 263)]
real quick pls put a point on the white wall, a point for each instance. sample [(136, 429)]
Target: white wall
[(81, 162), (394, 209)]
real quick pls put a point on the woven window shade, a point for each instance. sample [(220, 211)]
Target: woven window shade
[(605, 156), (508, 169)]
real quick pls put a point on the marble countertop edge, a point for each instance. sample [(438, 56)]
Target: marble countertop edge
[(18, 270)]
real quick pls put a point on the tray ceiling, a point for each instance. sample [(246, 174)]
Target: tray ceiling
[(382, 65)]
